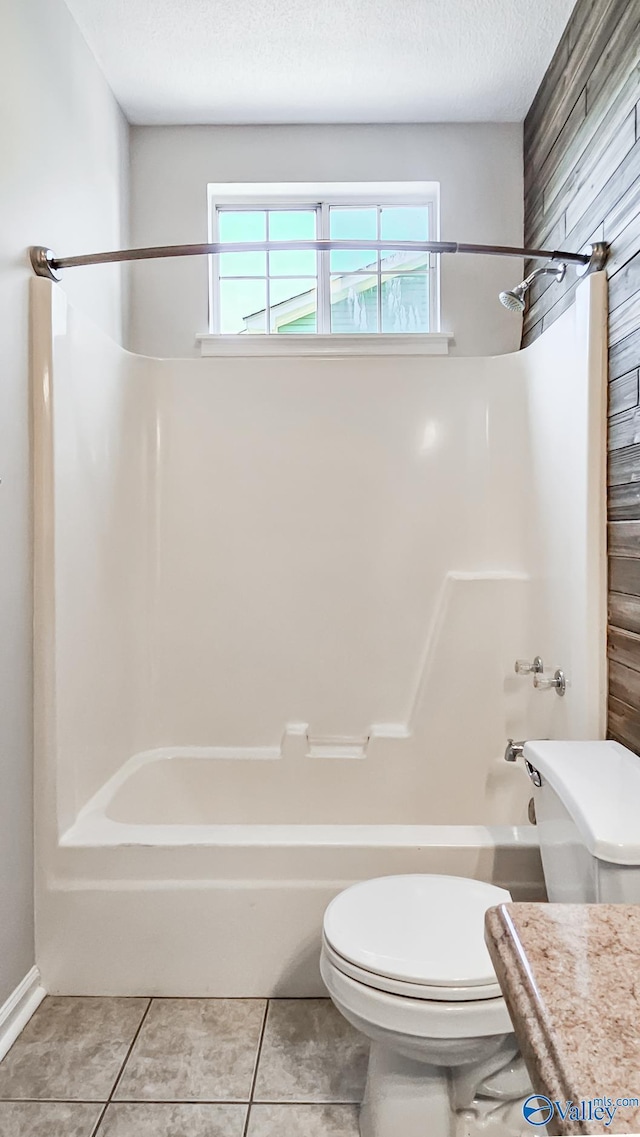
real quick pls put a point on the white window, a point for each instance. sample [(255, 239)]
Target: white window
[(308, 291)]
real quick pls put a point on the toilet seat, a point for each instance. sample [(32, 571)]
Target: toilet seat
[(371, 1010), (407, 989), (418, 936)]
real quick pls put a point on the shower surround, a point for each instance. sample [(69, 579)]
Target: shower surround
[(278, 603)]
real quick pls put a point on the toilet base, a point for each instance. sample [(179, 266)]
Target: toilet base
[(412, 1098), (404, 1097)]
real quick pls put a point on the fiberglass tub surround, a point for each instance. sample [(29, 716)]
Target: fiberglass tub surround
[(278, 605)]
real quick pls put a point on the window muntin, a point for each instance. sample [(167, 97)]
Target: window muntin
[(307, 291)]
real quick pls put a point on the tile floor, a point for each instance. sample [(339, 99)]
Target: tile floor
[(107, 1067)]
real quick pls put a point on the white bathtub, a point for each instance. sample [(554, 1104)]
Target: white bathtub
[(185, 876)]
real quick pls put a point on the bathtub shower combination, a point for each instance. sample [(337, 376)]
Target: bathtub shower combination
[(278, 605)]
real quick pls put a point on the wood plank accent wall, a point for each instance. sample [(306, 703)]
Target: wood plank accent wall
[(582, 184)]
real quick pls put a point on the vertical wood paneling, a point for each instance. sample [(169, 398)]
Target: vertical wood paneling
[(582, 181)]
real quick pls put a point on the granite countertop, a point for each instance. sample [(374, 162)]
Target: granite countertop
[(570, 975)]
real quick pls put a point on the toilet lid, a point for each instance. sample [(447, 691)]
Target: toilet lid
[(422, 929)]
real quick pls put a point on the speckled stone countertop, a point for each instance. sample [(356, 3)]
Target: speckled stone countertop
[(570, 975)]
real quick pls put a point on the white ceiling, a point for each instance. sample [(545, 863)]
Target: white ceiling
[(270, 61)]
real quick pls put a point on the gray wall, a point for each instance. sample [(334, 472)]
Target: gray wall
[(478, 165), (582, 183), (64, 146)]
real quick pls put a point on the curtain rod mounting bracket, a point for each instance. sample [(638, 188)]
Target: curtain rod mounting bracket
[(599, 253), (42, 263)]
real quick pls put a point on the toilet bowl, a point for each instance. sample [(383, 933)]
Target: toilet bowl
[(404, 960)]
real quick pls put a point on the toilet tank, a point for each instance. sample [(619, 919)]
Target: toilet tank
[(588, 814)]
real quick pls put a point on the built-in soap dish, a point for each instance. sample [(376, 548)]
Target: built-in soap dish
[(337, 746)]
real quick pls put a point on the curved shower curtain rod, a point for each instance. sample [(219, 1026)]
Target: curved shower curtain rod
[(45, 263)]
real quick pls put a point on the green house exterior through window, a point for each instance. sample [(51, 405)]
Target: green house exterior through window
[(404, 305)]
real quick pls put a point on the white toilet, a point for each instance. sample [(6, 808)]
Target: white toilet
[(404, 957)]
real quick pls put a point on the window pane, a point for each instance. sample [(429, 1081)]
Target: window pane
[(243, 306), (294, 306), (293, 264), (353, 225), (405, 303), (404, 223), (353, 260), (354, 304), (243, 264), (292, 225), (242, 225)]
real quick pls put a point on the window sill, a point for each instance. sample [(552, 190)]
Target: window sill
[(241, 346)]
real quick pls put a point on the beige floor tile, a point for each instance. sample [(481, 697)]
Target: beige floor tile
[(71, 1050), (303, 1121), (153, 1119), (194, 1050), (310, 1053), (47, 1119)]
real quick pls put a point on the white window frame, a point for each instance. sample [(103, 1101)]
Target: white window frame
[(319, 197)]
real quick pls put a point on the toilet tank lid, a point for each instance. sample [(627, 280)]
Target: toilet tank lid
[(599, 785)]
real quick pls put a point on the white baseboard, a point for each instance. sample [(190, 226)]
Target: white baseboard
[(18, 1009)]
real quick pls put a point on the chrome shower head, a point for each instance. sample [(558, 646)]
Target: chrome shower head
[(514, 300)]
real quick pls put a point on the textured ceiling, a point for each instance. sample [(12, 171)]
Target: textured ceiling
[(270, 61)]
